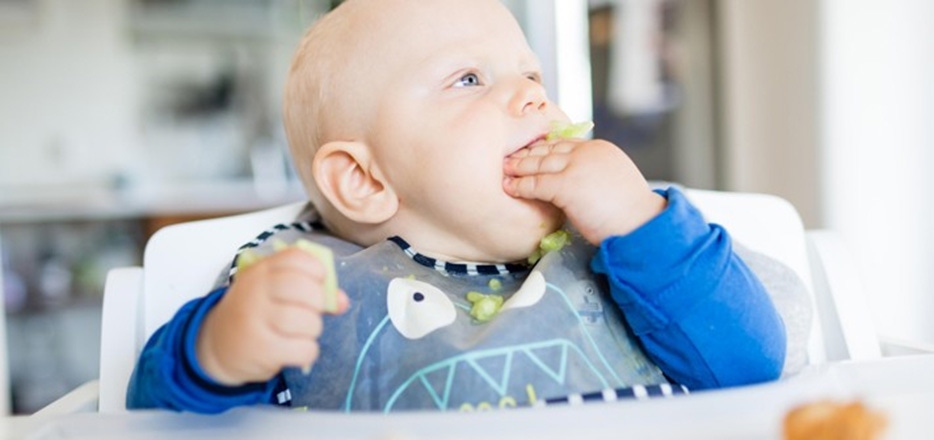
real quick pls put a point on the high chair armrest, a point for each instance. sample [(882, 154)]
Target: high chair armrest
[(892, 346), (78, 400), (845, 317)]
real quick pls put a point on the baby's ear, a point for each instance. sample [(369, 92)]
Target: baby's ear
[(347, 175)]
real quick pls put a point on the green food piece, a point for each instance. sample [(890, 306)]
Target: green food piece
[(495, 284), (485, 307), (550, 243), (568, 130), (326, 257), (249, 256), (246, 258), (555, 241), (279, 245)]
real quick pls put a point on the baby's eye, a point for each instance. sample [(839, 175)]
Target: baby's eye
[(468, 80)]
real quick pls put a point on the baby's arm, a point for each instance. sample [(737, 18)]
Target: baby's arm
[(226, 349), (700, 312), (168, 376)]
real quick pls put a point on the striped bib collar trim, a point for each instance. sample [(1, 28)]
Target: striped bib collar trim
[(458, 268)]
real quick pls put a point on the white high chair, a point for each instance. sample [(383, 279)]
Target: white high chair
[(183, 261)]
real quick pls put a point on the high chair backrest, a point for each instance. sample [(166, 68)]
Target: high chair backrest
[(184, 261), (769, 225), (180, 262)]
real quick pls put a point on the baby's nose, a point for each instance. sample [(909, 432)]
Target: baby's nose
[(529, 97)]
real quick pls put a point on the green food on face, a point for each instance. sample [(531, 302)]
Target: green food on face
[(554, 241), (568, 130), (485, 307)]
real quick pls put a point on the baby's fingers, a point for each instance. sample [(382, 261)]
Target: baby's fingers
[(543, 149), (532, 164), (298, 352), (544, 187), (293, 322)]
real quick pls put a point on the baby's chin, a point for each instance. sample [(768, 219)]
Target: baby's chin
[(526, 240), (551, 218)]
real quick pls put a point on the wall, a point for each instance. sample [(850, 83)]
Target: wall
[(557, 33), (696, 145), (830, 104), (878, 134), (66, 83), (77, 81), (769, 84)]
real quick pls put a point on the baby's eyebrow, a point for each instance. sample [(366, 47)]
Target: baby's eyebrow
[(442, 66), (530, 63)]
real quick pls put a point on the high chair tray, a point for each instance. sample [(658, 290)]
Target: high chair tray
[(900, 388)]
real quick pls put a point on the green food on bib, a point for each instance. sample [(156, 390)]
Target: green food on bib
[(568, 130), (485, 307)]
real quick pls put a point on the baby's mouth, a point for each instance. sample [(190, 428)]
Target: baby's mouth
[(528, 145)]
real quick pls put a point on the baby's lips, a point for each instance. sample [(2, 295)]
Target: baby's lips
[(522, 152)]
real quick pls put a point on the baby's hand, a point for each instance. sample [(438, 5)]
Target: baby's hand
[(270, 318), (596, 185)]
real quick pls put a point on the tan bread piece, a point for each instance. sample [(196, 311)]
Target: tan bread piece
[(830, 420)]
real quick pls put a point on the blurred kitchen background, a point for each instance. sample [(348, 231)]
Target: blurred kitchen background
[(118, 117)]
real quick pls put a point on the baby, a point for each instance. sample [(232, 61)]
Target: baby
[(419, 128)]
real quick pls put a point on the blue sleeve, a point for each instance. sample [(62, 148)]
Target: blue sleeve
[(168, 376), (701, 314)]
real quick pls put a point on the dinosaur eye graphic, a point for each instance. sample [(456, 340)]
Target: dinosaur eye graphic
[(417, 308)]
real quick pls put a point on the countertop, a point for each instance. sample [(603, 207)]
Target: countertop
[(91, 202)]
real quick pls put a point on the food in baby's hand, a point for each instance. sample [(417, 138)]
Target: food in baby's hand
[(568, 130), (833, 420), (248, 257), (554, 241), (326, 257), (485, 307)]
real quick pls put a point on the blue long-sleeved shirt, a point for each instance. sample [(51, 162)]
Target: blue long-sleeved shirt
[(681, 307)]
